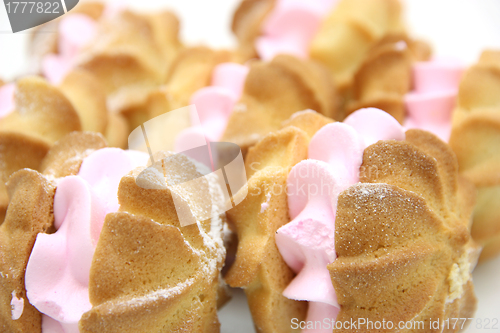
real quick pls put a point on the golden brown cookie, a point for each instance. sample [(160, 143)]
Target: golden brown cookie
[(42, 116), (384, 77), (132, 50), (66, 156), (130, 57), (145, 238), (42, 112), (86, 94), (247, 25), (117, 131), (475, 138), (309, 121), (363, 44), (273, 92), (412, 256), (190, 71), (259, 268), (18, 152), (30, 211), (139, 106), (142, 240), (169, 292)]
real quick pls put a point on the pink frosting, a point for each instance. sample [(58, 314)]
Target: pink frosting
[(50, 325), (291, 26), (308, 238), (214, 105), (373, 125), (57, 274), (7, 104), (75, 31), (230, 76), (345, 154), (430, 105), (307, 243), (113, 8)]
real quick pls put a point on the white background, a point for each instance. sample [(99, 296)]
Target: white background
[(458, 28)]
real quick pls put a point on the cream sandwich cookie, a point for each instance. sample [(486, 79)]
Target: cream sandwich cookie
[(371, 219), (103, 254), (30, 212)]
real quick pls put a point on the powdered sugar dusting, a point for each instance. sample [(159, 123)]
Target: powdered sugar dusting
[(152, 179), (17, 306), (265, 205), (198, 199), (460, 274), (212, 239), (159, 294)]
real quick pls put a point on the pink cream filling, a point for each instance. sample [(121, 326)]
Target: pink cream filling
[(291, 26), (307, 243), (7, 103), (214, 105), (430, 105), (57, 274)]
